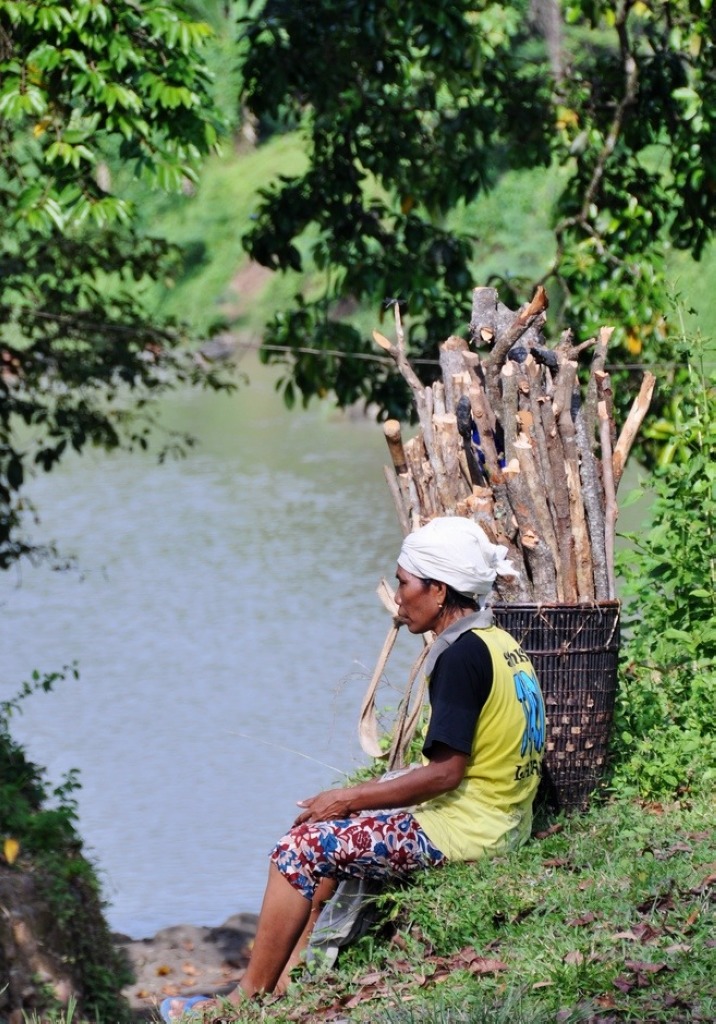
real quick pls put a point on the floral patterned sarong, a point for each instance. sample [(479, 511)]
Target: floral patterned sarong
[(371, 846)]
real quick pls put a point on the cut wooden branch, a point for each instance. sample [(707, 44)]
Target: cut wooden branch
[(565, 424), (599, 359), (465, 425), (560, 502), (631, 426), (480, 506), (461, 383), (550, 583), (508, 379), (402, 512), (441, 483), (535, 552), (422, 476), (532, 397), (605, 394), (611, 511), (530, 315), (447, 441), (489, 317), (397, 352), (473, 367), (533, 455), (485, 422), (452, 364), (593, 495), (408, 507), (394, 439), (526, 323)]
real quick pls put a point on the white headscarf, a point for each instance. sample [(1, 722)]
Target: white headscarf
[(456, 551)]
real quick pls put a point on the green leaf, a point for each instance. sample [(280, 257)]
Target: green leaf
[(678, 634), (632, 497)]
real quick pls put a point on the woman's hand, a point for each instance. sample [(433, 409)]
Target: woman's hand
[(332, 803)]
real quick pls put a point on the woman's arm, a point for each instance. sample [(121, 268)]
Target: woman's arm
[(444, 772)]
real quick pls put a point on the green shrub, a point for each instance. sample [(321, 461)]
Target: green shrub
[(42, 820), (665, 717)]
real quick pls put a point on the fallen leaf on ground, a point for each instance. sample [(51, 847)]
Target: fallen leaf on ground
[(676, 848), (436, 978), (468, 958), (674, 1000), (402, 966), (371, 979), (551, 831), (362, 996), (663, 902), (467, 953), (639, 933), (579, 922), (709, 880), (575, 958), (163, 969), (480, 965), (644, 967)]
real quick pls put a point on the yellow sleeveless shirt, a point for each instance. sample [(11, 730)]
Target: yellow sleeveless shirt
[(491, 809)]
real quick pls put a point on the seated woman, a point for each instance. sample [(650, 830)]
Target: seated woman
[(482, 756)]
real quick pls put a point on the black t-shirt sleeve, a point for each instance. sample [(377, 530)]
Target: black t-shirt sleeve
[(459, 686)]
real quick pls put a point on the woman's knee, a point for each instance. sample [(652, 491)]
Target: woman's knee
[(299, 856)]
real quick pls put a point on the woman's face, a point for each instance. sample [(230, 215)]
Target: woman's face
[(419, 605)]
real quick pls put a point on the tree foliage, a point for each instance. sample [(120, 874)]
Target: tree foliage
[(92, 92), (409, 111)]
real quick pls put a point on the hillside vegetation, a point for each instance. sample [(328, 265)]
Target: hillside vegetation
[(511, 226)]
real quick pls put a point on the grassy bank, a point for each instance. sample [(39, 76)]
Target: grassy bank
[(606, 917)]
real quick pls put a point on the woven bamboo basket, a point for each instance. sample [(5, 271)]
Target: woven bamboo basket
[(575, 652)]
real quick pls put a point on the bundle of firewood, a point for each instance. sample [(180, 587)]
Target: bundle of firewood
[(513, 438)]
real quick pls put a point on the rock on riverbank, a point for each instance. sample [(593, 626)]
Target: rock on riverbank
[(186, 960)]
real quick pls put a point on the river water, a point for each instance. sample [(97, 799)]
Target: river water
[(223, 615)]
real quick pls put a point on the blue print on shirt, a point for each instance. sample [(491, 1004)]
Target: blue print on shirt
[(530, 697)]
